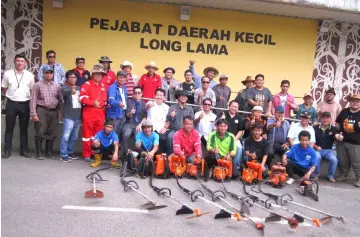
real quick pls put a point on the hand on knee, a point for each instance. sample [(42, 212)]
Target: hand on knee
[(96, 143)]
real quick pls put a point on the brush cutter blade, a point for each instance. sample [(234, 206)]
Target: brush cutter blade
[(184, 210), (273, 218), (151, 206), (223, 214), (198, 215), (298, 218), (91, 194), (245, 209)]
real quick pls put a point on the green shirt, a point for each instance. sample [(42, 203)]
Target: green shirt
[(225, 145)]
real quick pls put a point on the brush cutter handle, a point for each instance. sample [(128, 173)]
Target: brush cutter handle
[(283, 200), (164, 192), (268, 203), (195, 194), (217, 194), (95, 175), (131, 184)]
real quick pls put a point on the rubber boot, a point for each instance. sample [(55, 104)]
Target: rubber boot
[(49, 148), (115, 164), (97, 162), (38, 145)]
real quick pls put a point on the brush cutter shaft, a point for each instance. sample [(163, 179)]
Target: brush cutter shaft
[(94, 185), (215, 205), (293, 212)]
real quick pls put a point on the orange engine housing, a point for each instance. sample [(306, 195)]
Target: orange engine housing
[(278, 175), (223, 170), (160, 164), (252, 172), (177, 165)]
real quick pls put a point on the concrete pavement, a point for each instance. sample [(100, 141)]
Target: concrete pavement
[(34, 193)]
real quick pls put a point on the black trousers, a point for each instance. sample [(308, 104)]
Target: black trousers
[(104, 151), (292, 168), (22, 110), (47, 126)]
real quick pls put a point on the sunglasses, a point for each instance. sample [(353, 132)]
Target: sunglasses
[(207, 104), (304, 117), (49, 72), (52, 56), (136, 92), (205, 82)]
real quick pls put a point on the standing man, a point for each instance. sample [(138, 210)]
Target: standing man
[(117, 96), (150, 81), (94, 100), (59, 71), (243, 95), (175, 117), (46, 97), (132, 79), (222, 92), (209, 72), (325, 135), (348, 148), (296, 128), (284, 99), (109, 78), (189, 86), (82, 75), (71, 117), (260, 95), (204, 92), (329, 105), (307, 107), (18, 84), (169, 84)]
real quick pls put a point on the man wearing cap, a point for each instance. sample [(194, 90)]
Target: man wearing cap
[(278, 129), (243, 95), (306, 107), (205, 121), (59, 71), (94, 100), (189, 86), (204, 92), (296, 128), (132, 79), (284, 99), (169, 84), (105, 144), (348, 149), (329, 105), (117, 100), (260, 95), (209, 72), (150, 81), (18, 84), (325, 135), (82, 75), (175, 117), (255, 118), (222, 93), (46, 97), (109, 78)]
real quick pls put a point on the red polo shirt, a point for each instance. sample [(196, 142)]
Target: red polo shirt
[(108, 79), (149, 85), (189, 144)]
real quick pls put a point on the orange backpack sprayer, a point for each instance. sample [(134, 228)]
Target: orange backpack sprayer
[(196, 168), (252, 173), (277, 176), (223, 170), (177, 165), (162, 166)]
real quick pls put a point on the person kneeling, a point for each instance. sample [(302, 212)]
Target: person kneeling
[(105, 144), (300, 159), (147, 143), (221, 146)]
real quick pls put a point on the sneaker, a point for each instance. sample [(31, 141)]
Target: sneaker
[(25, 154), (73, 157), (357, 183), (87, 159), (290, 181), (332, 180), (295, 176), (65, 159), (342, 178)]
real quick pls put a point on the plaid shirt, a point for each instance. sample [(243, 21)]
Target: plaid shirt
[(45, 94)]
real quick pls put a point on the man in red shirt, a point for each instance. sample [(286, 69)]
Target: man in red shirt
[(186, 141), (109, 77), (150, 81), (82, 75), (93, 98), (131, 78)]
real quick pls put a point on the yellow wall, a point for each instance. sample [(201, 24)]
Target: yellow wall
[(68, 32)]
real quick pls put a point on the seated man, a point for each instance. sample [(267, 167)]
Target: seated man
[(303, 125), (325, 135), (147, 143), (300, 159), (255, 118), (187, 142), (256, 148), (221, 144), (105, 144), (278, 129)]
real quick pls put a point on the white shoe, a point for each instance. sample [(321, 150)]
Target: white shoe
[(290, 181)]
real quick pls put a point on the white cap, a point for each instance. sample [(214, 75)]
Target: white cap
[(258, 108)]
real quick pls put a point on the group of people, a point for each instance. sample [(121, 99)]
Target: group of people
[(192, 119)]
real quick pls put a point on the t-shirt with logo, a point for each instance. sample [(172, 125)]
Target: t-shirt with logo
[(283, 99), (305, 158), (106, 140), (263, 96), (350, 126)]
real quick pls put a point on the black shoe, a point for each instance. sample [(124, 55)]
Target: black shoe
[(38, 145), (48, 148), (25, 154), (6, 154), (73, 157)]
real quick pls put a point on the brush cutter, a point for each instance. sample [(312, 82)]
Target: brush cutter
[(131, 184), (185, 208), (197, 194), (95, 176), (287, 198)]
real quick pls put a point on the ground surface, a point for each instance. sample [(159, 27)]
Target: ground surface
[(35, 192)]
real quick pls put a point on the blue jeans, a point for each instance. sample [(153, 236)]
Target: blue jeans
[(169, 142), (70, 134), (189, 159), (327, 154), (238, 155)]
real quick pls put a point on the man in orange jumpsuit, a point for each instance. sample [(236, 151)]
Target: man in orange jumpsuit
[(93, 98)]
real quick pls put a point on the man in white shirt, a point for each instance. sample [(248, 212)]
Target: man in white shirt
[(17, 83), (204, 92), (156, 112), (303, 125), (205, 121)]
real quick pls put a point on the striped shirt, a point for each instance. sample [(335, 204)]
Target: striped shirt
[(130, 84), (225, 145), (47, 94)]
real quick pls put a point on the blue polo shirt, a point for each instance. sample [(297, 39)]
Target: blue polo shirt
[(147, 142), (106, 140), (303, 157)]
